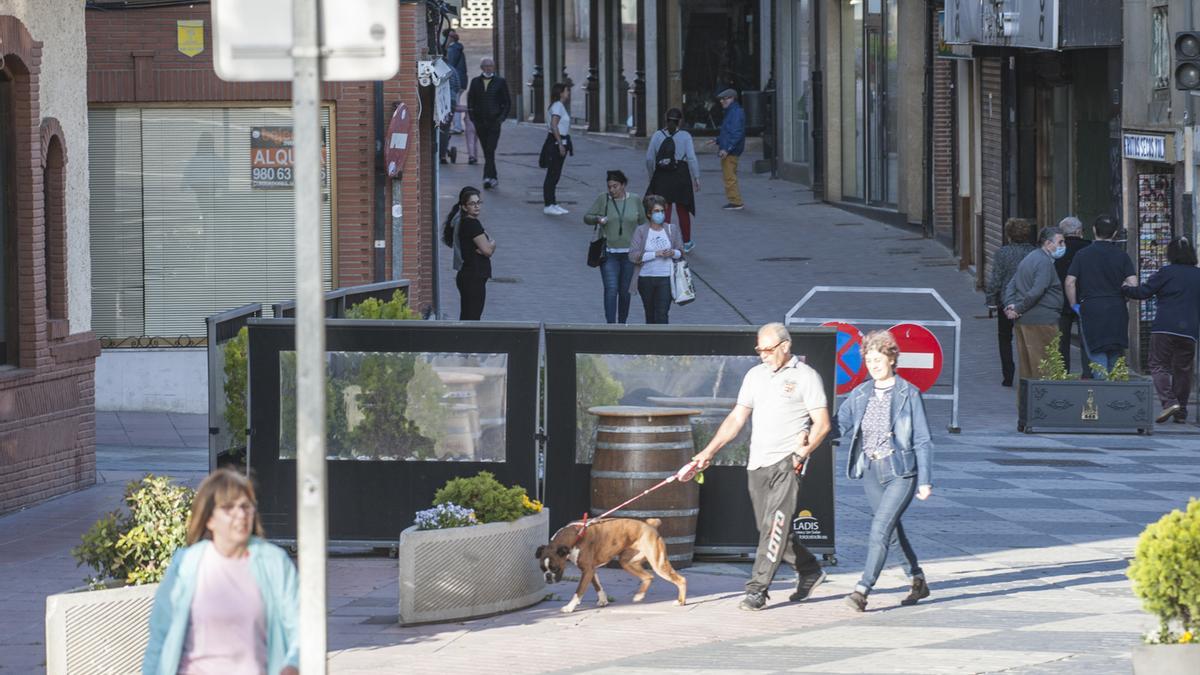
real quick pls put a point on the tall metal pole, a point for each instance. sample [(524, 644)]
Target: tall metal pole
[(311, 531)]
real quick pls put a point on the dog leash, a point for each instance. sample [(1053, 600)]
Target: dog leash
[(684, 474)]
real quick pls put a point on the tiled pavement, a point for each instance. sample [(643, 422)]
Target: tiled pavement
[(1025, 540)]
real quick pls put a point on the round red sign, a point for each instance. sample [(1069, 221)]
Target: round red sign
[(849, 369), (920, 359)]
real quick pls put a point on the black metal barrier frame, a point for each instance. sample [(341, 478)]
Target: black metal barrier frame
[(371, 501), (222, 328), (726, 524), (339, 300)]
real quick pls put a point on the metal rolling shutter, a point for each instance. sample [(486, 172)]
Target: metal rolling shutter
[(115, 176), (992, 157)]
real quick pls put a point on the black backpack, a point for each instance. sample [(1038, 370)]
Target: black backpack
[(665, 159)]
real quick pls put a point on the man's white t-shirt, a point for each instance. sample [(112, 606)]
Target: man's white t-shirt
[(564, 118), (781, 402)]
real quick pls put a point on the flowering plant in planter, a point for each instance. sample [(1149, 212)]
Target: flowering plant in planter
[(1166, 575), (445, 515)]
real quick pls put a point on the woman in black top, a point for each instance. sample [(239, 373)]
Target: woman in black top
[(1176, 327), (473, 250)]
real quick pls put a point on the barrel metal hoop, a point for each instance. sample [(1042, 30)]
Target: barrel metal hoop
[(677, 445), (608, 429), (680, 556), (633, 475), (661, 513), (688, 539)]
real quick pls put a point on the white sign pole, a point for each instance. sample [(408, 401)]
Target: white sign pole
[(311, 528)]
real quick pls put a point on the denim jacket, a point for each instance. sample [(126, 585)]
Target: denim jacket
[(276, 577), (910, 431)]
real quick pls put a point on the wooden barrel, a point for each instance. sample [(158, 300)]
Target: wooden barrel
[(462, 430), (636, 448)]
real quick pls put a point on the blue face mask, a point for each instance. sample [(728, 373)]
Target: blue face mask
[(1059, 252), (658, 217)]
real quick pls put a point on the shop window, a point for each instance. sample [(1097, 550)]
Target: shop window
[(192, 214), (54, 195), (1160, 49), (8, 226)]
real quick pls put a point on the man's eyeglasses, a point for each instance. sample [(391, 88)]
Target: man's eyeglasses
[(764, 350)]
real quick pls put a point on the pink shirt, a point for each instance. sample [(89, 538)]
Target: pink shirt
[(227, 626)]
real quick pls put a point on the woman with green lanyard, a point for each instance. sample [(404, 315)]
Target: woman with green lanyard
[(616, 214)]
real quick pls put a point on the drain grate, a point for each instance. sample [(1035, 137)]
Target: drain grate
[(795, 258), (845, 224), (1089, 451), (505, 280), (1058, 463), (903, 251)]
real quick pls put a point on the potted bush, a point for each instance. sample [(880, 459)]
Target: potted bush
[(471, 554), (1166, 575), (236, 366), (1060, 401), (104, 629)]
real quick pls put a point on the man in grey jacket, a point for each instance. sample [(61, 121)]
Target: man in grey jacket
[(1033, 299)]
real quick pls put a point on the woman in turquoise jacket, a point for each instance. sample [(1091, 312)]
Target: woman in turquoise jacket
[(229, 601)]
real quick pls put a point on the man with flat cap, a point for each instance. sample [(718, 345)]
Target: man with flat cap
[(731, 142)]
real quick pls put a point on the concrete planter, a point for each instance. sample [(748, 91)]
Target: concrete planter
[(1085, 405), (98, 631), (1166, 659), (465, 572)]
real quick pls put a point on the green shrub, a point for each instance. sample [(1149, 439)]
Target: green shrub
[(236, 363), (487, 497), (1051, 367), (1166, 572), (135, 547), (373, 308)]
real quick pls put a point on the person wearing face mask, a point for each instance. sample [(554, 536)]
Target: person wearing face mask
[(653, 249), (1033, 299), (488, 104), (1093, 288), (674, 172), (616, 214)]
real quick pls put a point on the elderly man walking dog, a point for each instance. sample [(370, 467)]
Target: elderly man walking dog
[(785, 398)]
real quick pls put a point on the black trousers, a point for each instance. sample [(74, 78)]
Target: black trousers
[(489, 137), (1171, 359), (1064, 343), (775, 495), (1004, 337), (656, 298), (472, 293), (554, 166)]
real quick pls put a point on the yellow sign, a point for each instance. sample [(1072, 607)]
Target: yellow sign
[(191, 36)]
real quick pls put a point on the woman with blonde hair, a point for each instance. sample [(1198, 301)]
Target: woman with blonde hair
[(883, 426), (229, 600)]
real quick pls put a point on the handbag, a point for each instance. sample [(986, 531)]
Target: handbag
[(682, 290), (597, 250)]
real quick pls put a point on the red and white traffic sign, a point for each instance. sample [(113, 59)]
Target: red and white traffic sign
[(849, 368), (397, 140), (920, 359)]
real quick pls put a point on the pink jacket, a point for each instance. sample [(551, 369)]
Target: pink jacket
[(637, 248)]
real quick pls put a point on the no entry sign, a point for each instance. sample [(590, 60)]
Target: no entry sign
[(920, 359), (849, 368)]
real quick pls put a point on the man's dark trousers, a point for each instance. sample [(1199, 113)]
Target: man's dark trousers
[(1064, 343), (489, 137), (775, 494)]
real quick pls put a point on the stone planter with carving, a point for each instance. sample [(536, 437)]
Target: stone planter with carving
[(1086, 405)]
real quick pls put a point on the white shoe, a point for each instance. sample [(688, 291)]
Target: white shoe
[(552, 210), (561, 210)]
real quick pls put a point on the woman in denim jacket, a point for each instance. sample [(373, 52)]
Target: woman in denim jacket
[(882, 424)]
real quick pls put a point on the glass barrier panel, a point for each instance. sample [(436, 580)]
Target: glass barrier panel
[(405, 406)]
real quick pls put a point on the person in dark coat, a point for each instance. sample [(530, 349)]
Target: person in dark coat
[(1073, 237), (1019, 233), (473, 249), (458, 81), (488, 104), (1176, 327), (1093, 289), (675, 173)]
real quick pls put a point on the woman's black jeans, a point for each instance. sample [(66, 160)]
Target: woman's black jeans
[(656, 297), (554, 166), (472, 292)]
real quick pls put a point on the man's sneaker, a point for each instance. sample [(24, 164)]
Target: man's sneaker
[(920, 591), (857, 601), (552, 210), (754, 601), (806, 584), (733, 207), (688, 246), (1167, 413)]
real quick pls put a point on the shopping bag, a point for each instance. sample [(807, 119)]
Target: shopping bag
[(682, 290)]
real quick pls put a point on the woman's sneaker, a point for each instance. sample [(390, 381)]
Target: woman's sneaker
[(561, 210), (552, 210), (1168, 412), (920, 591), (857, 601)]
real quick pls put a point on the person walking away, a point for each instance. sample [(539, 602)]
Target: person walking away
[(487, 105), (1176, 327), (556, 147), (229, 601), (1093, 289), (675, 173), (473, 250), (653, 249), (617, 213), (1033, 299), (1018, 232), (456, 58), (731, 142), (883, 426), (1073, 238), (785, 401)]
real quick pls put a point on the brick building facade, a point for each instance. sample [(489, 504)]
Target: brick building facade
[(47, 352)]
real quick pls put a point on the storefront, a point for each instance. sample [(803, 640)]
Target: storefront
[(798, 70), (870, 90)]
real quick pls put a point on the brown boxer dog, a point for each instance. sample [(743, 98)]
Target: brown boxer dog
[(630, 541)]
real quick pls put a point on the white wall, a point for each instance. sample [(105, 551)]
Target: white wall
[(152, 380), (63, 95)]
